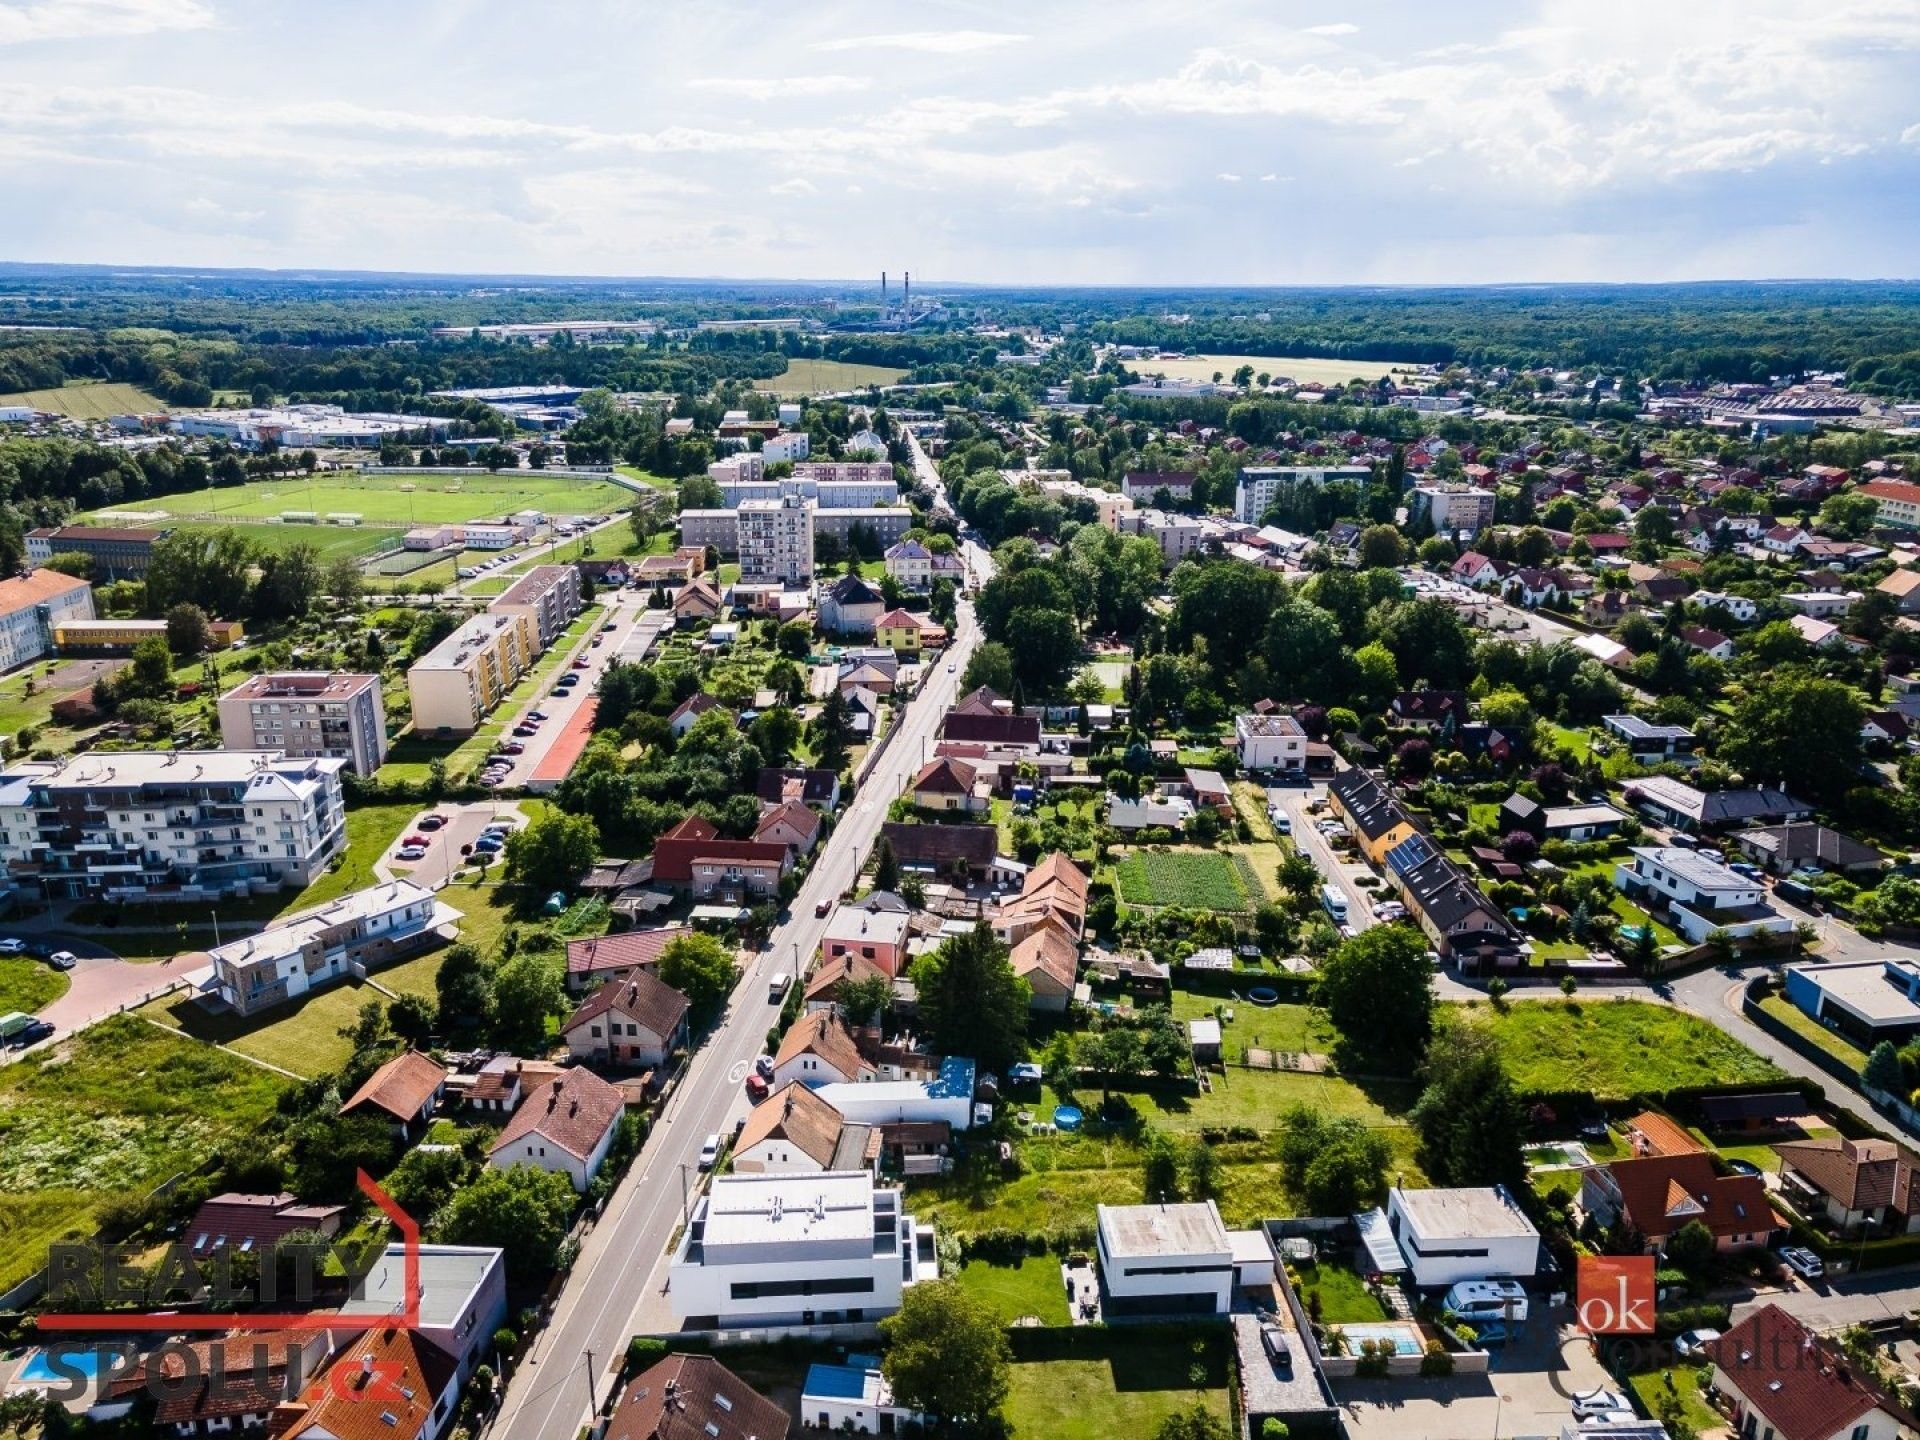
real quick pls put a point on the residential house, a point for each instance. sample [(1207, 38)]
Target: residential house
[(1651, 744), (693, 1397), (461, 1290), (250, 1223), (914, 567), (504, 1081), (1207, 789), (794, 1131), (1164, 1259), (405, 1092), (1904, 587), (1857, 1186), (1055, 889), (1885, 728), (790, 824), (604, 959), (879, 936), (419, 1388), (689, 710), (1575, 824), (1476, 1233), (214, 1387), (1443, 711), (634, 1024), (1651, 1133), (1658, 1195), (1149, 811), (819, 1049), (1741, 609), (698, 600), (1270, 742), (1700, 895), (947, 784), (566, 1126), (826, 979), (904, 632), (1708, 641), (1447, 903), (1867, 1001), (817, 788), (1375, 818), (1821, 604), (1011, 732), (1681, 806), (1785, 1381), (1819, 634), (1048, 959), (1478, 571), (943, 849), (850, 606), (854, 1399), (692, 857), (1783, 849)]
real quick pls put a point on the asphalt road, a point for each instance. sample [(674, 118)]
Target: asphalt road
[(571, 1366)]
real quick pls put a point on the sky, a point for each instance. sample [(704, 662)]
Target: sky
[(1186, 142)]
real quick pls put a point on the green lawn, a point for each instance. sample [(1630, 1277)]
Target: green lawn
[(370, 830), (27, 984), (332, 541), (89, 400), (1801, 1023), (1118, 1383), (1259, 1098), (1033, 1287), (1343, 1296), (1197, 879), (823, 377), (1683, 1381), (425, 497), (112, 1113), (1615, 1049)]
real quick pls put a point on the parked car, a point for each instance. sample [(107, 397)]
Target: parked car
[(1802, 1261), (63, 960), (1590, 1403), (419, 840), (432, 822), (525, 732), (513, 747), (1274, 1341), (710, 1152), (12, 945), (1694, 1342), (581, 663), (32, 1031), (536, 715), (411, 853)]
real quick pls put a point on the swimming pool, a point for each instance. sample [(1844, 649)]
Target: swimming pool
[(39, 1369), (1401, 1339)]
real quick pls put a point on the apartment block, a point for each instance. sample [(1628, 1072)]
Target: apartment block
[(548, 596), (456, 683), (1259, 485), (177, 825), (32, 606), (308, 713), (776, 541), (787, 447), (117, 554), (1453, 509), (309, 949)]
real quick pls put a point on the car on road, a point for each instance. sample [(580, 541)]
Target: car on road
[(1282, 822), (1694, 1342), (710, 1152), (1587, 1404), (581, 663), (778, 986), (951, 665), (420, 840), (32, 1031), (757, 1088), (525, 732), (63, 960), (513, 747), (536, 715), (1802, 1261), (13, 946), (410, 853), (432, 822), (824, 906)]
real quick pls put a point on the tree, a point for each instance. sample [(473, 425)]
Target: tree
[(1203, 1171), (552, 851), (1333, 1167), (526, 990), (1196, 1422), (1468, 1117), (1377, 989), (463, 989), (865, 1001), (289, 581), (1797, 730), (410, 1017), (1382, 547), (1044, 645), (794, 639), (971, 1003), (1376, 676), (150, 675), (886, 870), (425, 1179), (326, 1152), (992, 666), (946, 1353), (343, 580), (187, 630), (524, 1211), (700, 968), (1690, 1248), (1883, 1070), (210, 568), (1159, 1168)]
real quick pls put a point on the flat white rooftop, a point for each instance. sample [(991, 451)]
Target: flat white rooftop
[(449, 1274), (780, 1209), (1134, 1232), (1483, 1212)]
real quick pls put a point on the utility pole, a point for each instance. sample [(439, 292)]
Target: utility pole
[(686, 1210), (593, 1403)]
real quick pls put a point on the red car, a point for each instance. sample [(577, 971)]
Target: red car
[(419, 840), (581, 663)]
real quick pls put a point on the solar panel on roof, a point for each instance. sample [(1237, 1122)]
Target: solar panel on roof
[(1410, 854)]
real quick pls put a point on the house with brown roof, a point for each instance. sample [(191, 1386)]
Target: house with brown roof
[(1048, 959), (819, 1049), (694, 1397), (943, 849), (632, 1024), (506, 1080), (692, 857), (1852, 1184), (405, 1091), (214, 1387), (794, 1131), (1659, 1195), (565, 1126), (1011, 732), (689, 710), (818, 788), (945, 783), (1055, 889), (1783, 1380), (389, 1384), (600, 959), (849, 967), (791, 824), (699, 599), (249, 1223)]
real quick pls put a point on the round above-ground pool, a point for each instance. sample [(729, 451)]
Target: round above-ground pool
[(1263, 995), (1067, 1117)]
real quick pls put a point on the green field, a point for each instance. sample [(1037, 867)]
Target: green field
[(436, 498), (1033, 1287), (1306, 369), (1113, 1383), (1616, 1049), (90, 400), (332, 541), (110, 1114), (27, 984), (824, 377), (1198, 879)]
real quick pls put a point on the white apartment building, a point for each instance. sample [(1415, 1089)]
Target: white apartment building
[(1453, 509), (787, 447), (779, 1249), (309, 949), (1259, 484), (456, 683), (1270, 742), (1178, 536), (31, 606), (1165, 1259), (190, 825), (548, 596), (776, 541), (721, 528), (745, 468), (306, 713), (849, 494)]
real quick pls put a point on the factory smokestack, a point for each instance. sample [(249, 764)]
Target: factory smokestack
[(906, 291), (883, 289)]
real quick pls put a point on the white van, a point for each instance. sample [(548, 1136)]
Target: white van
[(1334, 901), (1480, 1300)]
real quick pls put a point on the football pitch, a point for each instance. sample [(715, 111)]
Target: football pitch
[(425, 498)]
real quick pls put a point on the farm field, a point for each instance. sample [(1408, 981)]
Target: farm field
[(1307, 369), (110, 1114), (436, 498), (1198, 879), (92, 400), (823, 377), (1616, 1049)]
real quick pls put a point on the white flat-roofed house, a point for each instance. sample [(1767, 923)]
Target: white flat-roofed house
[(1702, 895), (1165, 1259), (779, 1250), (463, 1297), (1650, 744), (1270, 742), (1447, 1236)]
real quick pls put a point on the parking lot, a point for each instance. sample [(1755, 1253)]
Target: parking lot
[(444, 847), (1344, 870), (557, 701)]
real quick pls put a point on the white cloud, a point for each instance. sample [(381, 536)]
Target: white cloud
[(99, 19), (764, 87), (796, 185), (1229, 177), (1339, 28), (929, 42)]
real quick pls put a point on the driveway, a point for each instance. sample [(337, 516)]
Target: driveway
[(102, 983)]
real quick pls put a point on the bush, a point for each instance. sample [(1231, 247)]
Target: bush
[(643, 1351), (1437, 1360)]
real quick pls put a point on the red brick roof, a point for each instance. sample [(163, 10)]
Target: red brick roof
[(945, 776), (1660, 1193), (1802, 1387), (251, 1222), (675, 852), (396, 1360), (826, 1034), (400, 1087), (621, 952), (573, 1112), (694, 1397), (991, 729)]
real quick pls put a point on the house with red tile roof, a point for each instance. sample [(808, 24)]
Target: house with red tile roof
[(692, 857), (945, 783), (819, 1049), (1658, 1195), (791, 824), (633, 1024), (694, 1397), (238, 1222), (600, 959), (1055, 889), (405, 1091), (391, 1385), (214, 1387), (1785, 1381), (1048, 959), (565, 1126)]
